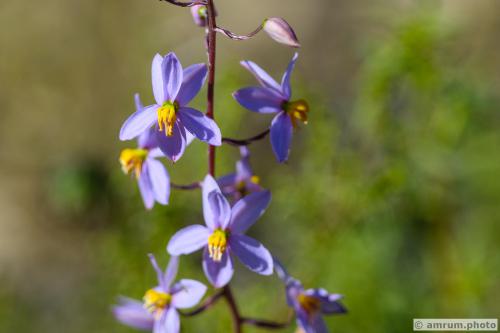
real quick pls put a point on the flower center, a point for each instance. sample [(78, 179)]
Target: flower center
[(297, 111), (156, 301), (241, 186), (217, 244), (202, 11), (167, 117), (310, 304), (132, 160)]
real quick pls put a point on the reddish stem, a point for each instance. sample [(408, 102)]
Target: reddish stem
[(211, 77)]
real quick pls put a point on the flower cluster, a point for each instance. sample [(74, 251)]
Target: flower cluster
[(232, 203)]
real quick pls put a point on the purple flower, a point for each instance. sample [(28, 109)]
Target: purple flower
[(243, 181), (158, 312), (224, 234), (151, 175), (173, 89), (275, 98), (309, 305)]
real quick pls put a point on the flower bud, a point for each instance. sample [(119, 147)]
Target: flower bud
[(279, 30), (200, 15)]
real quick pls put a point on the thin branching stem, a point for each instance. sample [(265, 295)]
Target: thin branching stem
[(234, 36), (247, 141), (192, 186), (267, 324), (185, 4), (209, 302)]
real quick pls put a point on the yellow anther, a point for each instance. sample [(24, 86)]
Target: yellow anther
[(156, 301), (310, 304), (132, 160), (217, 244), (255, 179), (297, 111), (167, 117)]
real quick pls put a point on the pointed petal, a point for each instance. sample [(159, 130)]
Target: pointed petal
[(187, 293), (252, 254), (159, 180), (330, 303), (220, 209), (209, 186), (146, 188), (137, 101), (193, 79), (248, 210), (172, 76), (132, 313), (138, 122), (281, 136), (285, 82), (158, 81), (188, 240), (258, 99), (172, 146), (261, 75), (159, 272), (202, 127), (218, 273), (171, 272)]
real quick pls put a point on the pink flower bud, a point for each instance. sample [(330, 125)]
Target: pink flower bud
[(199, 13), (279, 30)]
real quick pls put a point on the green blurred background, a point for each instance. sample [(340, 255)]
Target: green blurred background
[(391, 196)]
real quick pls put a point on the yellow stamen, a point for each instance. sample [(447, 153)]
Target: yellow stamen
[(310, 304), (167, 117), (156, 301), (217, 244), (297, 111), (132, 159), (255, 179)]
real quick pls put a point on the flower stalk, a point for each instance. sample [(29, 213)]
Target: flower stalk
[(232, 203), (247, 141), (212, 51)]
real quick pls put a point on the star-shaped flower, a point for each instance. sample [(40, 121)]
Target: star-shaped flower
[(272, 97), (309, 305), (173, 89), (224, 234), (158, 312)]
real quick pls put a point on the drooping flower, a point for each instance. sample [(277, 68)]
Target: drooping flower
[(279, 30), (224, 234), (158, 311), (309, 305), (151, 175), (173, 89), (272, 97), (243, 181)]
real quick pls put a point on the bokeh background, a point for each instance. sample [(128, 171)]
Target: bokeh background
[(391, 196)]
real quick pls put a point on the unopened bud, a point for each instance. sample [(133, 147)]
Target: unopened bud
[(200, 15), (279, 30)]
